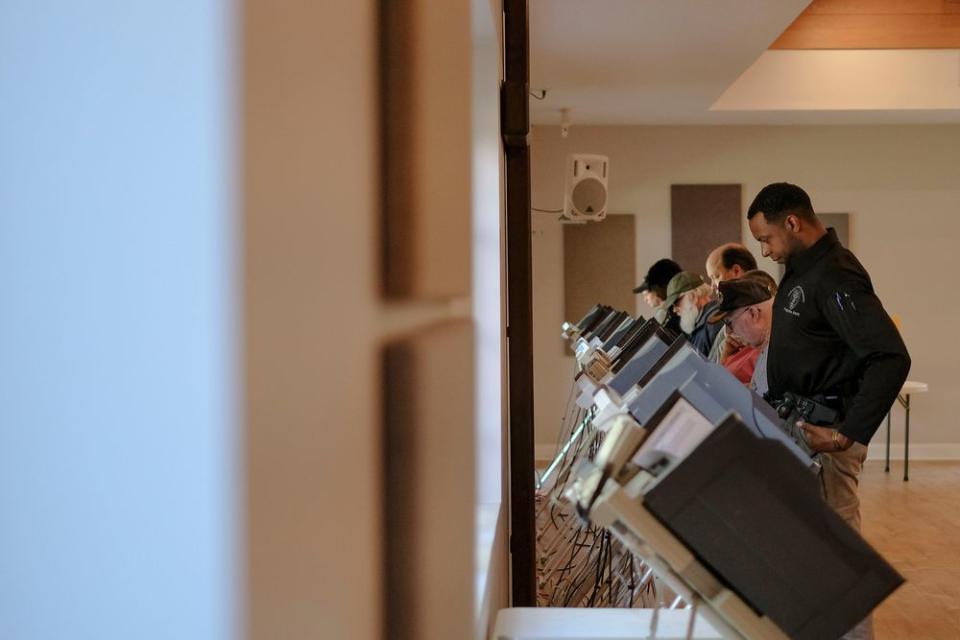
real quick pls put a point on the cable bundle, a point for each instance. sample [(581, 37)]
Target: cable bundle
[(579, 564)]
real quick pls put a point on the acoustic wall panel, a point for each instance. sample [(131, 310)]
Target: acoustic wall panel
[(599, 260), (702, 217), (428, 439), (426, 146)]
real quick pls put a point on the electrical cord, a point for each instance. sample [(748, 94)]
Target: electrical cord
[(575, 584), (582, 564), (575, 548), (601, 565)]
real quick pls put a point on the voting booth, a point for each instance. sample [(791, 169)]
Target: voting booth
[(712, 497)]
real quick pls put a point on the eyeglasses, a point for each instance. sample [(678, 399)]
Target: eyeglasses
[(729, 320)]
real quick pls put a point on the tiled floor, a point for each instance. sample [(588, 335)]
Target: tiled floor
[(916, 526)]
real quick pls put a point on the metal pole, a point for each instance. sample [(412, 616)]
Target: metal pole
[(906, 438), (887, 468), (515, 127)]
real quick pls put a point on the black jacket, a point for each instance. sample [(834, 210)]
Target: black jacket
[(831, 336)]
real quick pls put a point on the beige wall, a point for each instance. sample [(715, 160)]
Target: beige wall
[(900, 184)]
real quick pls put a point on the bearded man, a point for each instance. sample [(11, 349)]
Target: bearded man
[(693, 301)]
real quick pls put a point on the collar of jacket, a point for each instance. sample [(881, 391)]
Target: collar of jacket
[(802, 261), (705, 313)]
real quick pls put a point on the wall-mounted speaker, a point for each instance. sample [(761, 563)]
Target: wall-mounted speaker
[(585, 188)]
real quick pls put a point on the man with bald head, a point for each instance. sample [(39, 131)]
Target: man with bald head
[(729, 262)]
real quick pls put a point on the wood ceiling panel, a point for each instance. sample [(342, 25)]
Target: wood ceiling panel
[(875, 24), (879, 7)]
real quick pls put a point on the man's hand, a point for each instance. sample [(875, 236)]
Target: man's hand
[(822, 438), (730, 346)]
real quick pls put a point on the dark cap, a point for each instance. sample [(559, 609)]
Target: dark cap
[(658, 275), (742, 292)]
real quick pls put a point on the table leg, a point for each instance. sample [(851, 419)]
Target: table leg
[(887, 468), (906, 439)]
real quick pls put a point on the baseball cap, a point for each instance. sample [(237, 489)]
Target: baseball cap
[(679, 285), (658, 275)]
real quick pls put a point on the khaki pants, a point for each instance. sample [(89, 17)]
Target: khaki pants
[(839, 481)]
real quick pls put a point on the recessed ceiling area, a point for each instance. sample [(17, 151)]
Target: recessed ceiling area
[(662, 62), (918, 83)]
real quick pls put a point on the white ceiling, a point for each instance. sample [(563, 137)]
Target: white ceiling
[(706, 62)]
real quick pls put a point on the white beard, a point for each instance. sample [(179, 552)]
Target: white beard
[(688, 316)]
